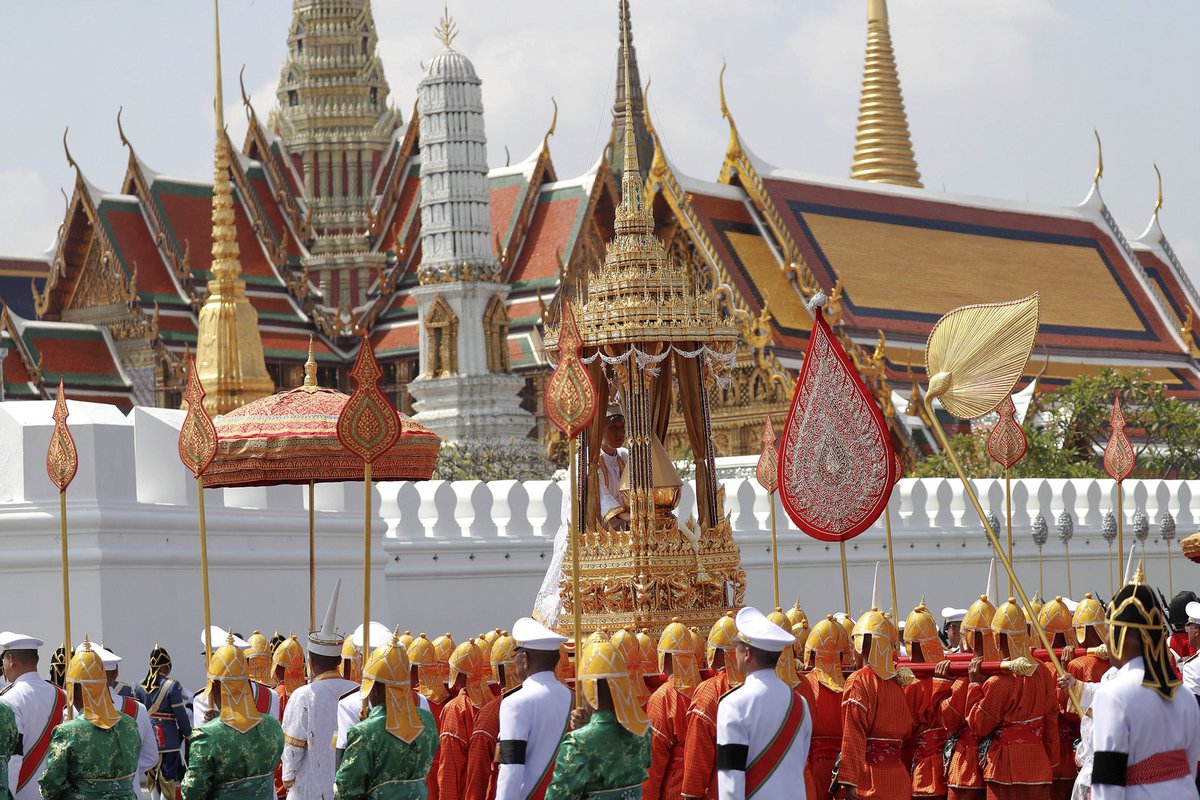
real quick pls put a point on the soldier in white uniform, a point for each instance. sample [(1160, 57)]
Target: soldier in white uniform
[(148, 758), (533, 718), (1146, 734), (38, 706), (1190, 666), (763, 727), (265, 700), (310, 719)]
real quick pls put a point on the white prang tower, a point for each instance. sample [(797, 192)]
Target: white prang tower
[(466, 389)]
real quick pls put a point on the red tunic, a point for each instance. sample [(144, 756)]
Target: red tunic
[(481, 753), (454, 737), (667, 709), (281, 690), (826, 735), (925, 698), (700, 743), (1023, 714), (964, 773), (876, 720), (431, 780)]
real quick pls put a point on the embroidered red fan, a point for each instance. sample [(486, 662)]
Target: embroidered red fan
[(837, 465)]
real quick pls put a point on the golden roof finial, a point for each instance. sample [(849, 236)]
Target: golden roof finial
[(1099, 159), (734, 148), (1158, 202), (883, 150), (310, 368), (446, 30), (229, 351), (553, 124)]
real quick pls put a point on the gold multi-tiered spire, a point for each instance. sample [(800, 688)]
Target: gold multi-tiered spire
[(229, 351), (883, 151)]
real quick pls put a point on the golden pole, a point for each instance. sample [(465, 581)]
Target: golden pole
[(887, 521), (204, 573), (66, 587), (577, 612), (312, 558), (1120, 518), (1008, 519), (774, 549), (366, 560), (845, 578), (987, 528)]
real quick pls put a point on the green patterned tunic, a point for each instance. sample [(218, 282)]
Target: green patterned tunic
[(379, 766), (600, 760), (8, 743), (224, 764), (89, 763)]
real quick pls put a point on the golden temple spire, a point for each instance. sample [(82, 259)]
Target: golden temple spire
[(883, 151), (446, 30), (229, 351), (632, 216)]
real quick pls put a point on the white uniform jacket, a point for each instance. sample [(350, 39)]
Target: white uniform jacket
[(532, 722), (32, 700), (749, 719), (1130, 724)]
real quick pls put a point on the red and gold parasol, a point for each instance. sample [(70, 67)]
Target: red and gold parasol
[(291, 437)]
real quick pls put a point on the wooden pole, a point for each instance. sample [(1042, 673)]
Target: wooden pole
[(577, 612), (312, 558), (845, 578), (66, 589), (1008, 520), (887, 522), (774, 549), (366, 560), (208, 645)]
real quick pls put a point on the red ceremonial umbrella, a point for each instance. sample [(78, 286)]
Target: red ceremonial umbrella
[(291, 437)]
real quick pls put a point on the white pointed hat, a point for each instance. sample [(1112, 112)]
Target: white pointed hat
[(327, 641)]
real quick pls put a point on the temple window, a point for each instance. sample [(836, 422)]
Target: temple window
[(495, 334), (441, 335), (293, 97)]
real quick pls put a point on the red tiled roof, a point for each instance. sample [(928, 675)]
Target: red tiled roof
[(551, 233)]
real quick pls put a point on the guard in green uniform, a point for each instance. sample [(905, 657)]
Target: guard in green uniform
[(233, 757), (606, 759), (8, 743), (95, 755), (390, 752)]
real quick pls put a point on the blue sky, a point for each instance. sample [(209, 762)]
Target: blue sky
[(1002, 96)]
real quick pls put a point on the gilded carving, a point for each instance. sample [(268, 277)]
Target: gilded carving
[(441, 339)]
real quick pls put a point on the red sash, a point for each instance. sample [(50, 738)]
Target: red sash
[(763, 766), (1158, 768), (262, 699), (129, 707), (33, 757)]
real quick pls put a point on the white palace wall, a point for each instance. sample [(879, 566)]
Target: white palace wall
[(461, 557)]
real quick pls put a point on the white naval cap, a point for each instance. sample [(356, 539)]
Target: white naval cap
[(107, 657), (219, 636), (1070, 604), (18, 641), (379, 635), (1193, 612), (759, 632), (952, 614), (530, 634)]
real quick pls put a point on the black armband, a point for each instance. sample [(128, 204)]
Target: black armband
[(1109, 767), (732, 756), (512, 751)]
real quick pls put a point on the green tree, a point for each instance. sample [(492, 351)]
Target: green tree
[(1164, 430)]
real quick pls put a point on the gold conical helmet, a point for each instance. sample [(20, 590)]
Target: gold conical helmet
[(431, 685), (626, 643), (504, 654), (467, 660), (228, 669), (881, 658), (1055, 618), (86, 670), (603, 661), (389, 667), (921, 629), (1010, 623), (676, 643), (825, 649), (289, 654), (785, 667), (258, 658), (1089, 614), (723, 637)]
